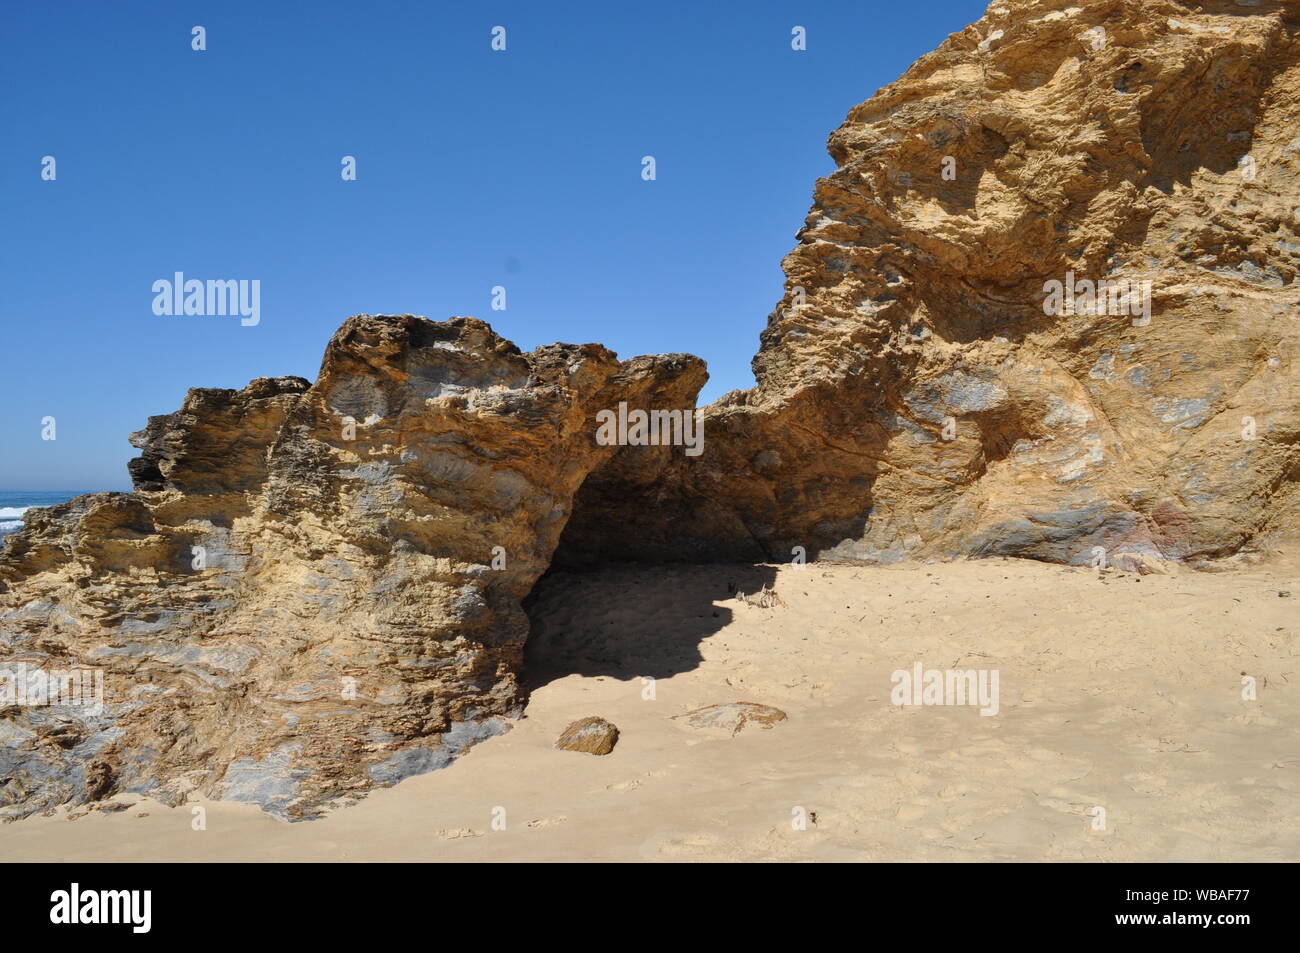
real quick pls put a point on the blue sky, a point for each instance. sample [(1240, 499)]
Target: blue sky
[(475, 169)]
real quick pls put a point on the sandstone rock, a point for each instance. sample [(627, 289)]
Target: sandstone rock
[(315, 588), (592, 735), (915, 400), (733, 716)]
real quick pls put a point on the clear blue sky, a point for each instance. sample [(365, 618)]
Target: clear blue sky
[(475, 168)]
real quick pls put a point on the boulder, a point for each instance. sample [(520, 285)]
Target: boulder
[(592, 735)]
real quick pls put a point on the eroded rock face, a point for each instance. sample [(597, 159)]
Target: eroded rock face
[(315, 588), (305, 595), (914, 398)]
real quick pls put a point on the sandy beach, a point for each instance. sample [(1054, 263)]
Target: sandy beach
[(1118, 691)]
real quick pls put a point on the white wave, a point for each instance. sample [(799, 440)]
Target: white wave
[(11, 526), (12, 512)]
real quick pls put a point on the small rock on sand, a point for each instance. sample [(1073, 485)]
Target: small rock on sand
[(592, 735)]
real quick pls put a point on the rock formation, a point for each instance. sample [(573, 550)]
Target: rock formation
[(315, 588), (1046, 306), (914, 397)]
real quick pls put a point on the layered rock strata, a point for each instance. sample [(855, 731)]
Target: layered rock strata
[(1046, 306), (314, 588), (925, 391)]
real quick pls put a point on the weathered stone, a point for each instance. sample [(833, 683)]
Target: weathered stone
[(315, 588), (914, 400), (733, 716), (592, 735)]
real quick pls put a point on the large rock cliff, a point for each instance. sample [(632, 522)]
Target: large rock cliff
[(915, 396), (1046, 306)]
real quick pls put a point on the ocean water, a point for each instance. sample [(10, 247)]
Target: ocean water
[(14, 503)]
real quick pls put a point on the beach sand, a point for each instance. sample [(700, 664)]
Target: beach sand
[(1116, 691)]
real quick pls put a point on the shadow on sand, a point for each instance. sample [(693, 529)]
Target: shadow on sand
[(626, 622)]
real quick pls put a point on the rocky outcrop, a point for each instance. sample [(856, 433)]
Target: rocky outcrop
[(916, 398), (1046, 306), (315, 588)]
